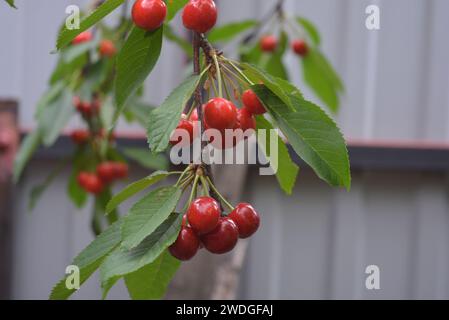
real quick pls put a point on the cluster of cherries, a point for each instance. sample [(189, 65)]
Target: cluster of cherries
[(106, 173), (198, 15), (106, 47), (222, 115), (204, 226), (269, 43)]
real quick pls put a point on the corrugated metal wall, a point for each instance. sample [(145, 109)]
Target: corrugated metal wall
[(317, 243)]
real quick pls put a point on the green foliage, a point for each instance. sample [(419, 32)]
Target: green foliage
[(135, 188), (27, 148), (273, 62), (135, 62), (311, 30), (156, 275), (146, 159), (228, 32), (147, 214), (287, 170), (185, 45), (312, 134), (11, 3), (122, 262), (66, 35), (165, 119), (173, 7)]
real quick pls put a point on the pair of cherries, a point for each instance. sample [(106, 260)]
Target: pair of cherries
[(203, 225), (269, 43), (106, 48), (106, 173), (198, 15), (85, 108)]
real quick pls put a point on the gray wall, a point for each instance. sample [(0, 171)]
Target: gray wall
[(317, 243)]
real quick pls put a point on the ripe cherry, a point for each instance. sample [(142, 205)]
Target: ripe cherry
[(268, 43), (252, 102), (203, 214), (223, 238), (80, 136), (107, 48), (185, 126), (186, 245), (149, 14), (246, 119), (300, 47), (83, 37), (90, 182), (121, 170), (220, 114), (200, 15), (246, 219), (106, 171)]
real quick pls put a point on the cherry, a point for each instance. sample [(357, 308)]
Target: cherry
[(246, 119), (203, 214), (184, 124), (80, 136), (107, 48), (149, 14), (252, 102), (121, 170), (223, 238), (268, 43), (200, 15), (300, 47), (83, 37), (246, 219), (106, 171), (90, 182), (220, 114), (186, 245)]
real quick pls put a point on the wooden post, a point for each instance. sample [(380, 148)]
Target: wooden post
[(9, 140)]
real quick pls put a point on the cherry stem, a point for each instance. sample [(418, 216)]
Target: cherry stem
[(240, 72), (223, 199), (219, 78)]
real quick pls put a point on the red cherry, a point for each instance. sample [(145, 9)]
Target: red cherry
[(187, 126), (268, 43), (300, 47), (149, 14), (220, 114), (120, 170), (203, 214), (186, 245), (90, 182), (106, 171), (107, 48), (83, 37), (252, 102), (200, 15), (246, 119), (80, 136), (223, 238), (246, 219)]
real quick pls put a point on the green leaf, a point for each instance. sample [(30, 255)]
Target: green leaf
[(146, 159), (287, 170), (77, 194), (156, 275), (148, 214), (320, 76), (173, 7), (139, 111), (37, 191), (66, 35), (11, 3), (135, 188), (90, 259), (55, 116), (274, 64), (122, 262), (229, 31), (135, 62), (27, 148), (313, 135), (165, 119), (311, 30)]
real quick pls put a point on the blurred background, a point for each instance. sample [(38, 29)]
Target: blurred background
[(317, 243)]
